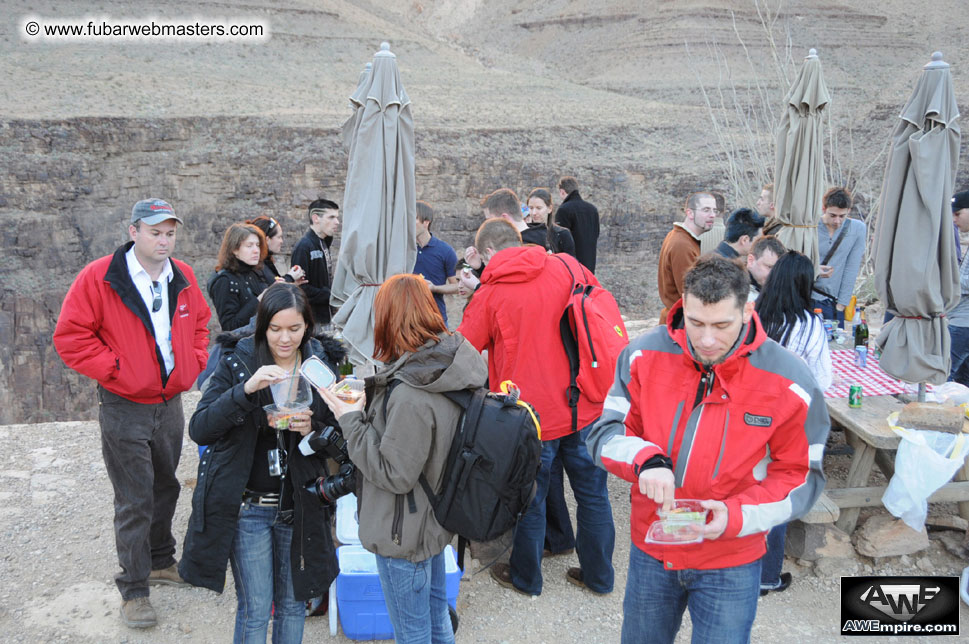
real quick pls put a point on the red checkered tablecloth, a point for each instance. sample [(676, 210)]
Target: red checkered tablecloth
[(873, 381)]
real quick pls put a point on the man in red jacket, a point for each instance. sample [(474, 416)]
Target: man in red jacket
[(514, 315), (709, 408), (136, 322)]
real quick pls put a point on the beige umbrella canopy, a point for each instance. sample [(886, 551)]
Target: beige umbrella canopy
[(915, 265), (379, 203), (799, 163)]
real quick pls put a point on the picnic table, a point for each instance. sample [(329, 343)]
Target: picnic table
[(874, 443)]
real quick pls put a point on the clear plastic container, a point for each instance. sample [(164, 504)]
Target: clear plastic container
[(673, 534), (349, 389), (688, 511), (680, 526)]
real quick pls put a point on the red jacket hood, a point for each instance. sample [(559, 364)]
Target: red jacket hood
[(515, 265), (754, 336)]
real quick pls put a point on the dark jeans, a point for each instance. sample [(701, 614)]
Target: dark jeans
[(829, 311), (773, 560), (558, 526), (141, 445), (959, 352), (595, 537)]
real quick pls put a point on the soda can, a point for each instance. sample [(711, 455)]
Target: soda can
[(861, 357), (854, 396)]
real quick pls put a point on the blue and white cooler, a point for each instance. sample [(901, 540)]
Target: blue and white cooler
[(355, 595)]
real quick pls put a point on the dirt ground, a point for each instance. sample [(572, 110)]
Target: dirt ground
[(57, 562)]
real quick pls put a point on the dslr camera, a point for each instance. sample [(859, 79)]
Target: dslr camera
[(331, 442)]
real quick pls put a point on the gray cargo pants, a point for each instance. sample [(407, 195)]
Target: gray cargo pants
[(141, 445)]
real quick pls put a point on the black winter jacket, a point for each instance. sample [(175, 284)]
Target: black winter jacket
[(228, 420), (309, 255), (582, 220), (235, 296)]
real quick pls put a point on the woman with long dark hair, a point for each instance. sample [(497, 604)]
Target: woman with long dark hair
[(238, 279), (785, 310), (275, 534), (273, 232), (404, 432), (557, 238)]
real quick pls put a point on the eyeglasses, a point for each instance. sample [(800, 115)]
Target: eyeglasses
[(157, 302)]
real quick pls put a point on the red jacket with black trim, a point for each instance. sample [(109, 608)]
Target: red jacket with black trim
[(515, 316), (104, 331), (749, 431)]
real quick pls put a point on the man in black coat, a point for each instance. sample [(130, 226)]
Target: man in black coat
[(312, 253), (582, 220)]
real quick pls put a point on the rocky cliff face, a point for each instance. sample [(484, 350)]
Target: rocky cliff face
[(66, 190)]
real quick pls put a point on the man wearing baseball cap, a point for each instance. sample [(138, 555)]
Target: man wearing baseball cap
[(959, 316), (136, 322)]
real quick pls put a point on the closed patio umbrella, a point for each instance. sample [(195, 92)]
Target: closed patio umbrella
[(379, 203), (915, 265), (799, 162)]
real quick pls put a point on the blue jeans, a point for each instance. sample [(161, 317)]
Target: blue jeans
[(416, 597), (959, 352), (264, 580), (722, 602), (773, 560), (595, 535), (829, 311), (559, 536)]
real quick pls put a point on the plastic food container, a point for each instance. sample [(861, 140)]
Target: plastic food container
[(349, 389), (685, 511), (278, 417), (680, 526), (673, 534)]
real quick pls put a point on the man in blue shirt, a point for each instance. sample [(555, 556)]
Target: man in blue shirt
[(436, 261)]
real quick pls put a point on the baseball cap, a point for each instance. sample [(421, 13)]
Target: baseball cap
[(960, 200), (153, 211)]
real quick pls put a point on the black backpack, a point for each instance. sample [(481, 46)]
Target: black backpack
[(489, 478)]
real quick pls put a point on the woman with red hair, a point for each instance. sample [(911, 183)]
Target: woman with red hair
[(404, 432)]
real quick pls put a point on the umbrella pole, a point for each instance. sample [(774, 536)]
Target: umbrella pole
[(921, 392)]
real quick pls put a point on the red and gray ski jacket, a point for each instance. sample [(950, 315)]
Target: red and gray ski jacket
[(749, 431)]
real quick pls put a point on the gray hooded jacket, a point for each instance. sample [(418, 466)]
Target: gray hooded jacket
[(391, 452)]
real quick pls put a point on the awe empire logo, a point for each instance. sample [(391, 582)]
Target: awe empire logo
[(900, 601), (899, 605)]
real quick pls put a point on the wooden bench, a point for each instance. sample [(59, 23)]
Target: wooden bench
[(867, 431), (824, 510)]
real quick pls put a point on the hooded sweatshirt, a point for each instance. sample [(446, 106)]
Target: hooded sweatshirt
[(393, 442)]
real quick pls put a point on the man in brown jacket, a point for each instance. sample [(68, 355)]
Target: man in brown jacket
[(682, 246)]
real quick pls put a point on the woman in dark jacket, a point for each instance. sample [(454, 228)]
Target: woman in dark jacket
[(238, 278), (559, 536), (557, 238), (275, 534), (274, 244), (406, 432)]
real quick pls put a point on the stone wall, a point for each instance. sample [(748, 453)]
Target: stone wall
[(67, 187)]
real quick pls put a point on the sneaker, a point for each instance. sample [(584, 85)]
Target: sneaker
[(574, 575), (783, 584), (167, 577), (501, 572), (138, 613)]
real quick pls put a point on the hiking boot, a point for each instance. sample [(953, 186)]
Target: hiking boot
[(138, 613), (167, 577), (546, 553), (574, 575), (501, 572)]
